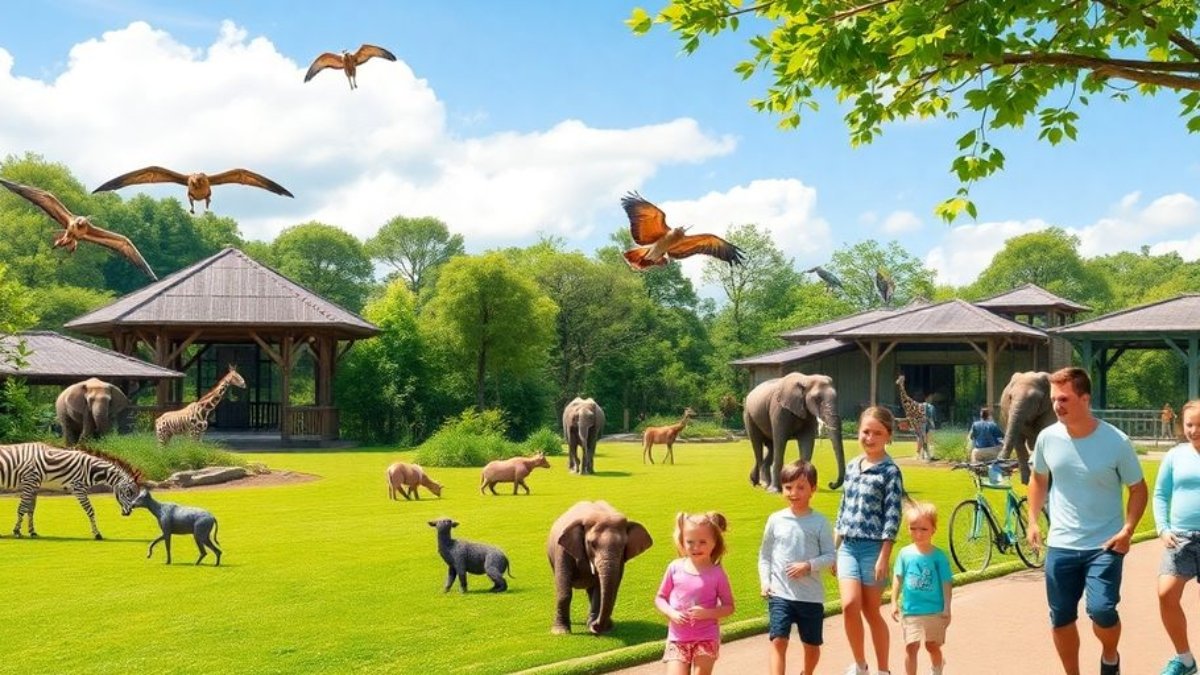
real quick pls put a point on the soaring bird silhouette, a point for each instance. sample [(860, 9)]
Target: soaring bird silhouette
[(885, 284), (199, 185), (347, 62), (828, 277), (660, 243), (77, 228)]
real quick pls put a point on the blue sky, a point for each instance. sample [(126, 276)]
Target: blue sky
[(517, 119)]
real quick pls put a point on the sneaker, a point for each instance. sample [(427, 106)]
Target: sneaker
[(1110, 668), (856, 669), (1176, 667)]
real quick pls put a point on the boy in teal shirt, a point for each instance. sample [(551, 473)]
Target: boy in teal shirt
[(921, 590)]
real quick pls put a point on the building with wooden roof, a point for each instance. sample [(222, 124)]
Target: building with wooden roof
[(231, 309), (958, 354), (57, 359)]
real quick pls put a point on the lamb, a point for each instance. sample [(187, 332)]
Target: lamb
[(512, 470), (177, 519), (469, 556), (404, 478)]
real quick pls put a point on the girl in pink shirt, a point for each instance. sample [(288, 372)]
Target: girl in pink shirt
[(695, 594)]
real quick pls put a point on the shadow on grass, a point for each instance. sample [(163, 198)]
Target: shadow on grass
[(59, 540), (612, 474), (625, 632)]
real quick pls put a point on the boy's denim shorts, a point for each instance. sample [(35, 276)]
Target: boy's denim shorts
[(809, 618), (856, 559), (1070, 572)]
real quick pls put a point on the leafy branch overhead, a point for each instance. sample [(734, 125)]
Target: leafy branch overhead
[(1005, 62)]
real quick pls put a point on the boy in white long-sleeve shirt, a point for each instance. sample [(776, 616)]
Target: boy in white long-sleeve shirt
[(797, 544)]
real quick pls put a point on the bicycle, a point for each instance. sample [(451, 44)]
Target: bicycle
[(975, 529)]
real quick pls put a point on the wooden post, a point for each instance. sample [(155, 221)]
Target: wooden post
[(285, 430), (1193, 368), (874, 356), (325, 352), (160, 358), (991, 373)]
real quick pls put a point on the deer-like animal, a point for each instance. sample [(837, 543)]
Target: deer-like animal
[(512, 470), (666, 435)]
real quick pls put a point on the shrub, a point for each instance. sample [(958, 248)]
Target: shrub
[(696, 428), (21, 419), (157, 463), (471, 439), (544, 440), (950, 443)]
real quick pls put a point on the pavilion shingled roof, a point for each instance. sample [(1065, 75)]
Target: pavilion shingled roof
[(1027, 298), (1178, 314), (792, 353), (829, 327), (59, 358), (952, 318), (228, 288)]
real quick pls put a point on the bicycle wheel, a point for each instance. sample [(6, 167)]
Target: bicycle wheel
[(970, 537), (1030, 557)]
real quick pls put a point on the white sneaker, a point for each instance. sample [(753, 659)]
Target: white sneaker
[(856, 669)]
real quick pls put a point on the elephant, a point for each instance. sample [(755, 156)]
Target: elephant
[(588, 547), (88, 408), (583, 422), (1025, 409), (790, 407)]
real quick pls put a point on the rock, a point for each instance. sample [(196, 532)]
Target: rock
[(208, 476)]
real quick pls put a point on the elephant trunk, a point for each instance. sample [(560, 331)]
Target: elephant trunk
[(834, 424), (1020, 418), (608, 573)]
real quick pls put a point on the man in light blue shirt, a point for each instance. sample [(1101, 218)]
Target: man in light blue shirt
[(1090, 533)]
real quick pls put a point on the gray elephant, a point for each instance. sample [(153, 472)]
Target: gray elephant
[(88, 409), (1025, 409), (588, 547), (789, 407), (583, 422)]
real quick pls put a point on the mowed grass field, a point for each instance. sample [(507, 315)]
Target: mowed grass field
[(330, 576)]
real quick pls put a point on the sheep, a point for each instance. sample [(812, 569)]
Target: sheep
[(512, 470), (177, 519), (469, 556), (404, 478)]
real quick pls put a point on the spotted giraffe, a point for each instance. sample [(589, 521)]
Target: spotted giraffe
[(915, 412), (193, 418)]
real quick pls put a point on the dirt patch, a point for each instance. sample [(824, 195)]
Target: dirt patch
[(255, 480)]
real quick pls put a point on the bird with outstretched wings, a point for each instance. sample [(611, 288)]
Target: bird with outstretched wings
[(348, 62), (199, 185), (828, 277), (79, 228), (658, 243)]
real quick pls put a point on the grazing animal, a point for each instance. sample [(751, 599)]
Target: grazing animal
[(513, 470), (193, 417), (917, 419), (177, 519), (666, 435), (80, 228), (660, 243), (404, 478), (26, 467), (469, 556), (828, 277), (199, 185), (348, 62)]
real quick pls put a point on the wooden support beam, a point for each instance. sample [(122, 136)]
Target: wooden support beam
[(275, 356), (1193, 362), (195, 357), (184, 345), (285, 427), (345, 348), (990, 359)]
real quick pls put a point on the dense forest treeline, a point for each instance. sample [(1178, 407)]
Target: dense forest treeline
[(525, 329)]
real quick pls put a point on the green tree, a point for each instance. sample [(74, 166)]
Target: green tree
[(1138, 278), (16, 314), (665, 285), (857, 264), (415, 248), (59, 304), (753, 290), (1005, 64), (327, 260), (493, 318), (1049, 258)]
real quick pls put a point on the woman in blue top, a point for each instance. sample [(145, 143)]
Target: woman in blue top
[(986, 438), (1177, 516)]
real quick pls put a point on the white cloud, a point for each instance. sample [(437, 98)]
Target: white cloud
[(900, 222), (1129, 227), (967, 250), (136, 96)]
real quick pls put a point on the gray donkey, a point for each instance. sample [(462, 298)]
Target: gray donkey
[(469, 556), (176, 519)]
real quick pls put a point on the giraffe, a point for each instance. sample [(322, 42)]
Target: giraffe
[(665, 435), (193, 417), (915, 412)]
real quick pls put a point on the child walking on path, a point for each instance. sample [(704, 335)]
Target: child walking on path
[(867, 522), (695, 595), (796, 545), (921, 590), (1177, 517)]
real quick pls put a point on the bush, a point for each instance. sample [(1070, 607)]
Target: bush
[(949, 443), (696, 428), (471, 439), (142, 451), (544, 440), (21, 419)]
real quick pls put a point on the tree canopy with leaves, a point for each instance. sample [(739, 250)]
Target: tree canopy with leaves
[(414, 248), (1003, 63)]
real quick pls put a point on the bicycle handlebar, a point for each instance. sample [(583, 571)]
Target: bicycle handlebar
[(1006, 465)]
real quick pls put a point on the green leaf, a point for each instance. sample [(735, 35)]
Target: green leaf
[(639, 21)]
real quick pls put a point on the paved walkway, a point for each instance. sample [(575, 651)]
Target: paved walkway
[(1001, 627)]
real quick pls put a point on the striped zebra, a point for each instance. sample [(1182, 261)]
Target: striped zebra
[(192, 419), (26, 467)]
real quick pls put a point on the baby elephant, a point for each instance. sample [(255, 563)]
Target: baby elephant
[(469, 556), (176, 519)]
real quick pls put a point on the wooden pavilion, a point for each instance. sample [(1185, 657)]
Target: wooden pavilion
[(237, 311), (55, 359)]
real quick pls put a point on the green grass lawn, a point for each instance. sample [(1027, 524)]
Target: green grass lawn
[(331, 576)]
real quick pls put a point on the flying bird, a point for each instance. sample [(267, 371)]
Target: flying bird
[(660, 243), (885, 284), (199, 185), (828, 277), (79, 228), (347, 62)]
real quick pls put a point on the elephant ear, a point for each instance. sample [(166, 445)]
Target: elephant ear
[(119, 401), (790, 394), (572, 542), (637, 540)]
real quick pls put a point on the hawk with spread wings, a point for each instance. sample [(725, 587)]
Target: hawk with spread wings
[(79, 228), (347, 62), (199, 185), (660, 243)]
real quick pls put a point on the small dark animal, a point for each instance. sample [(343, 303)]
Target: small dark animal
[(469, 556), (176, 519)]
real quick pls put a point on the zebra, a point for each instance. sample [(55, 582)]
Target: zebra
[(26, 467), (193, 417)]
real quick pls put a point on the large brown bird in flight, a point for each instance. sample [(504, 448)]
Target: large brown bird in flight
[(659, 243), (199, 185), (79, 228), (347, 62)]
